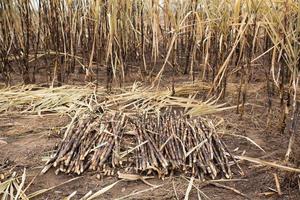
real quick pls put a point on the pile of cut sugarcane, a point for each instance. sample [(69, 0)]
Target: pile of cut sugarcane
[(160, 144)]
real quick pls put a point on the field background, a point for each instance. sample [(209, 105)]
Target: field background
[(244, 53)]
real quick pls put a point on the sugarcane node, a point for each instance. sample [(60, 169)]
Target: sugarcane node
[(172, 143)]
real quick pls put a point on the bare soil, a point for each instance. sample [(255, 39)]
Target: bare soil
[(31, 139)]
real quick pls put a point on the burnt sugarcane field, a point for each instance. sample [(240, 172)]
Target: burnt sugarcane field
[(149, 99)]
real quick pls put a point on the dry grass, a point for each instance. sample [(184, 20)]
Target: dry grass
[(68, 99)]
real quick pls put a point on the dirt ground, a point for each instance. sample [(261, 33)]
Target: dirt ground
[(30, 139)]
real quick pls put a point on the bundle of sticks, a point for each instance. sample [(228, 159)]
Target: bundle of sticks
[(152, 144)]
